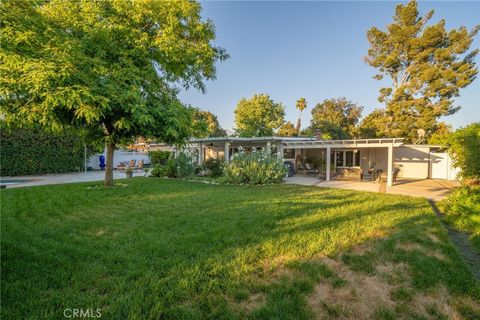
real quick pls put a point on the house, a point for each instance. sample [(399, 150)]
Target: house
[(338, 158)]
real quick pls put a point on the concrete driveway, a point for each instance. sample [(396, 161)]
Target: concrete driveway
[(434, 189)]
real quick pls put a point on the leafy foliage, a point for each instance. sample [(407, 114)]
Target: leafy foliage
[(336, 118), (159, 156), (428, 66), (257, 167), (258, 116), (205, 124), (110, 67), (287, 130), (180, 167), (215, 166), (373, 125), (28, 151), (464, 149), (300, 105)]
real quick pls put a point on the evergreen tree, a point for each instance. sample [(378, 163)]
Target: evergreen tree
[(428, 65)]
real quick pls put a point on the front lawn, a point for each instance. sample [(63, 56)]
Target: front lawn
[(169, 249)]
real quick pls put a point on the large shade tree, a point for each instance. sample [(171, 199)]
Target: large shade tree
[(258, 116), (110, 67), (427, 66), (335, 115), (205, 124)]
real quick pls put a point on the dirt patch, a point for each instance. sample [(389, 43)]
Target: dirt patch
[(253, 302), (411, 246), (438, 299), (358, 299), (364, 294)]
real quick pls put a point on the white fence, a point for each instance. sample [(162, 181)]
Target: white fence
[(119, 156)]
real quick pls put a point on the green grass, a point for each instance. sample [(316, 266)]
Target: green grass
[(462, 210), (168, 249)]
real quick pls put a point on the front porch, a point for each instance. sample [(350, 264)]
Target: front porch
[(360, 159)]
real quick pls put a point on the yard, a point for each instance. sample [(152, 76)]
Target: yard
[(187, 250)]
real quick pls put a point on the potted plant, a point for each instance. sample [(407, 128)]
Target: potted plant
[(129, 172)]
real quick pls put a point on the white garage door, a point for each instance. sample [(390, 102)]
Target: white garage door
[(441, 166)]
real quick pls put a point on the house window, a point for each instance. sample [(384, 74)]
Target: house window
[(347, 159), (339, 158), (289, 153)]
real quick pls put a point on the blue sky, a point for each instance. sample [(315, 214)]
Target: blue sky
[(313, 50)]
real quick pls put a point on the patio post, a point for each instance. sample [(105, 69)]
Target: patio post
[(227, 152), (280, 150), (200, 153), (390, 165), (327, 175)]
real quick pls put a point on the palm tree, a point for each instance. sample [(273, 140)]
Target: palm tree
[(301, 105)]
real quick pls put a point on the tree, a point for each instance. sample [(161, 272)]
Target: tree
[(441, 133), (301, 105), (334, 114), (373, 125), (326, 130), (258, 116), (205, 124), (109, 67), (427, 65), (464, 148), (287, 130)]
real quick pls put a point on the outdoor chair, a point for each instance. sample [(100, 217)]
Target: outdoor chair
[(139, 166), (396, 171), (122, 166), (310, 169)]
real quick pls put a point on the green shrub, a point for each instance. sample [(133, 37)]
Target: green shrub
[(34, 151), (158, 170), (159, 157), (258, 167), (464, 148), (215, 166), (179, 167), (462, 210)]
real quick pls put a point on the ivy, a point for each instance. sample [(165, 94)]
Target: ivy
[(33, 151)]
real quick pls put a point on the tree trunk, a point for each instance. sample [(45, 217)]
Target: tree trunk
[(109, 165)]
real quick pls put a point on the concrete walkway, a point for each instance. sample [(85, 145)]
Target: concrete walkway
[(29, 181), (433, 189)]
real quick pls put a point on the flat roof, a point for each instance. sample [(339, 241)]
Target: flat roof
[(251, 139)]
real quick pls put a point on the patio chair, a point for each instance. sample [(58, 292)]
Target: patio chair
[(131, 164), (122, 166), (395, 175), (310, 169), (140, 165)]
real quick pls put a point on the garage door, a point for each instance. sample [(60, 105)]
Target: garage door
[(439, 165)]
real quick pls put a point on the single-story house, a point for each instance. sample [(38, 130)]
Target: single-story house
[(341, 158)]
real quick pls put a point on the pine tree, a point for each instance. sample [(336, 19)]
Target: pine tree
[(428, 65)]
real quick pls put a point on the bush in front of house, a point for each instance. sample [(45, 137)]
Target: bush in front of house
[(159, 157), (180, 167), (215, 167), (257, 167)]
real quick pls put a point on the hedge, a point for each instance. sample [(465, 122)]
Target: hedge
[(33, 151)]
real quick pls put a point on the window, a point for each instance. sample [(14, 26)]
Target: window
[(347, 159), (339, 158), (289, 153)]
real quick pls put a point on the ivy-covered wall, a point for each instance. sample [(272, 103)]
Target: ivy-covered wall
[(33, 151)]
